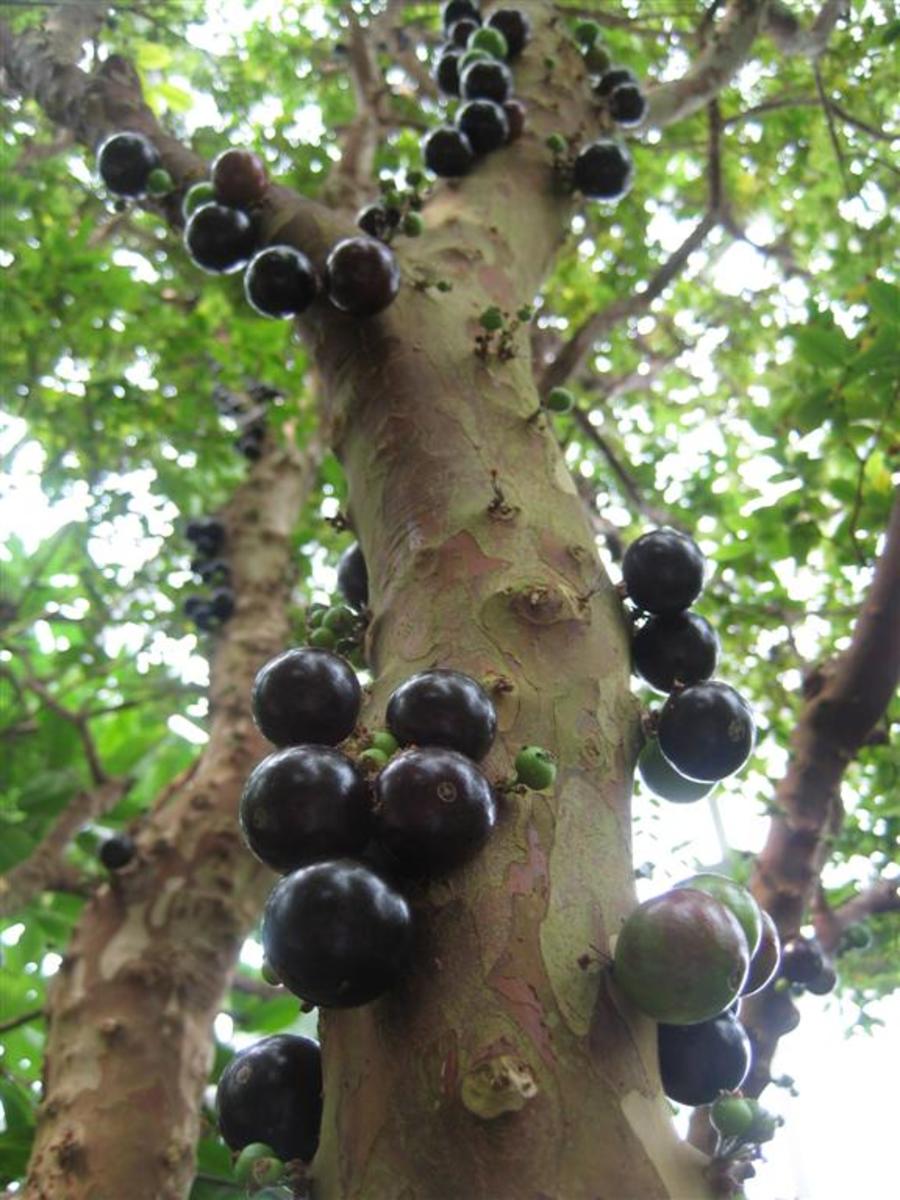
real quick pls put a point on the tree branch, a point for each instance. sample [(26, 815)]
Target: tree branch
[(790, 36), (21, 1019), (881, 897), (351, 178)]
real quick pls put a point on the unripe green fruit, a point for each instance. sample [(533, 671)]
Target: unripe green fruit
[(557, 143), (471, 56), (560, 400), (373, 759), (413, 224), (415, 179), (340, 619), (491, 41), (586, 33), (195, 197), (323, 639), (159, 182), (249, 1156), (535, 768), (664, 781), (597, 59), (314, 615), (385, 741), (491, 319), (731, 1116), (856, 937)]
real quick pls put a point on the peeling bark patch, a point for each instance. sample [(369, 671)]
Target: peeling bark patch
[(525, 878), (529, 1012)]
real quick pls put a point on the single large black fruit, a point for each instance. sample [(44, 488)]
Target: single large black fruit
[(125, 161), (613, 78), (515, 27), (239, 177), (353, 576), (448, 152), (627, 105), (117, 851), (361, 276), (446, 70), (603, 170), (486, 79), (336, 934), (707, 731), (460, 31), (304, 804), (207, 534), (679, 648), (696, 1062), (663, 571), (272, 1092), (457, 10), (219, 239), (485, 125), (222, 603), (801, 960), (443, 708), (280, 282), (306, 695), (434, 809)]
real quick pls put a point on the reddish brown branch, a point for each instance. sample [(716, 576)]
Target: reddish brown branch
[(794, 39), (881, 897)]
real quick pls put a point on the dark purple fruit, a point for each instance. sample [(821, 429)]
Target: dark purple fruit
[(486, 80), (306, 695), (766, 958), (434, 809), (485, 125), (272, 1092), (222, 603), (205, 619), (447, 152), (280, 282), (193, 605), (459, 10), (824, 982), (603, 170), (250, 446), (696, 1062), (125, 161), (627, 105), (515, 118), (515, 27), (680, 648), (336, 934), (303, 804), (361, 276), (219, 239), (214, 571), (443, 708), (613, 78), (446, 71), (801, 960), (117, 851), (373, 220), (353, 577), (239, 178), (707, 731), (663, 571), (460, 32)]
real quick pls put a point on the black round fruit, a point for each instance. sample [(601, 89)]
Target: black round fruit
[(249, 446), (353, 577), (486, 80), (460, 31), (443, 708), (222, 603), (446, 71), (306, 695), (485, 125), (304, 804), (663, 571), (361, 276), (802, 960), (117, 851), (205, 619), (603, 170), (515, 27), (193, 605), (706, 731), (125, 161), (824, 982), (373, 220), (272, 1092), (458, 10), (280, 282), (627, 105), (434, 809), (214, 571), (448, 152), (239, 177), (613, 78), (336, 934), (219, 239), (696, 1062), (680, 648)]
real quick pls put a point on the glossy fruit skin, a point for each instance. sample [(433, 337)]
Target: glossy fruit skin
[(304, 804), (802, 960), (681, 957), (337, 934), (447, 152), (361, 276), (239, 178), (764, 963), (446, 71), (515, 27), (385, 742), (731, 1116), (485, 125), (603, 170), (707, 731), (280, 282), (664, 781), (535, 768), (246, 1169), (272, 1092), (353, 577), (117, 851), (196, 196), (736, 898), (663, 571), (443, 708), (125, 161), (491, 41), (219, 239), (611, 79), (679, 648), (486, 81), (824, 982), (373, 220), (306, 695), (433, 810), (515, 118), (222, 603), (697, 1062), (458, 10), (460, 31), (627, 105)]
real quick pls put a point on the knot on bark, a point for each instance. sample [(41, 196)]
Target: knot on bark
[(496, 1085), (544, 604)]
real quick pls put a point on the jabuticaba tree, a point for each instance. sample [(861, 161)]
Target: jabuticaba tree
[(505, 1064)]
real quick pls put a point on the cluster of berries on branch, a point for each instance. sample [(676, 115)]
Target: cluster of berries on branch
[(342, 626), (209, 613)]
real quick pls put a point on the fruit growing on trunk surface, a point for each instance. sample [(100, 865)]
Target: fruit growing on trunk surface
[(735, 898), (446, 71), (258, 1164), (303, 804), (117, 851), (491, 41), (515, 27), (433, 809), (239, 178), (196, 196), (443, 708), (125, 162), (679, 648), (681, 957), (627, 105), (535, 768), (515, 118), (613, 78), (361, 276), (337, 934), (663, 780), (280, 282), (353, 576), (207, 534), (219, 239), (484, 124), (447, 152), (272, 1092), (663, 571), (764, 962), (486, 81), (706, 731), (731, 1116), (603, 170), (801, 960), (824, 982), (458, 10), (306, 695), (697, 1062)]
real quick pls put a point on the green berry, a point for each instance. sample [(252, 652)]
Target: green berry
[(314, 615), (560, 400), (340, 619), (247, 1159), (763, 1126), (491, 319), (323, 639), (586, 33), (731, 1116), (373, 759), (856, 937), (413, 224), (525, 313), (535, 768), (491, 41), (444, 285), (385, 742), (415, 179), (159, 182), (557, 143), (471, 56), (195, 197), (597, 59)]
